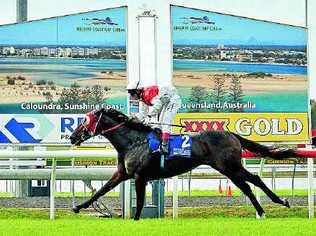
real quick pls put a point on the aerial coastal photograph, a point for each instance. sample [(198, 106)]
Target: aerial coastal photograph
[(84, 68), (253, 66)]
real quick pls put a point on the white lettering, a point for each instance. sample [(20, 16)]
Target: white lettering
[(243, 129), (276, 127), (265, 127), (294, 126), (258, 127)]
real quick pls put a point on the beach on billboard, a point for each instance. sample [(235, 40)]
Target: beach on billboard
[(251, 84)]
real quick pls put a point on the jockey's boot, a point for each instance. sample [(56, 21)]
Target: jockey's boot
[(165, 146), (165, 143)]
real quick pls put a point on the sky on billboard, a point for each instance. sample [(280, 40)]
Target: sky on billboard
[(92, 29), (232, 30)]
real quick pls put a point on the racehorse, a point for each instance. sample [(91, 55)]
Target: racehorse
[(219, 149)]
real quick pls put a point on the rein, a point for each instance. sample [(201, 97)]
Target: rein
[(112, 128), (154, 123)]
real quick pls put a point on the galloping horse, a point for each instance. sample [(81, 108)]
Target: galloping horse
[(219, 149)]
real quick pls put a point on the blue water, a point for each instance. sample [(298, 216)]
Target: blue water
[(190, 65), (61, 71), (82, 68)]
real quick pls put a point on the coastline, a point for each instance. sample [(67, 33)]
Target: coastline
[(236, 62)]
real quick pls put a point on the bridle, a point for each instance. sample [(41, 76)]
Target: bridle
[(92, 131)]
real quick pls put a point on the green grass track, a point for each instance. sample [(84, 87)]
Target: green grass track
[(192, 221)]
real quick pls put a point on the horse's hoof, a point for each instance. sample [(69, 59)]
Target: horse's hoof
[(286, 203), (262, 216), (105, 216), (76, 210)]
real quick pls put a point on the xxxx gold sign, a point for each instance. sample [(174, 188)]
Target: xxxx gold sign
[(268, 127), (193, 126)]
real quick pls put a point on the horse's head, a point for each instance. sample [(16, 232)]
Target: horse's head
[(97, 122)]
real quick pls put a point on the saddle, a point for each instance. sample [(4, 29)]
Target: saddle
[(179, 145)]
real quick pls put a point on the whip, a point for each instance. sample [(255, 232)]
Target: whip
[(156, 123)]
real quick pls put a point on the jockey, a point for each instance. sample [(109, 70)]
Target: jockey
[(157, 103)]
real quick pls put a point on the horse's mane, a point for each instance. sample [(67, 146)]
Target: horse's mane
[(129, 122)]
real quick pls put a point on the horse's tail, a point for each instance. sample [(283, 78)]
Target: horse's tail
[(265, 151)]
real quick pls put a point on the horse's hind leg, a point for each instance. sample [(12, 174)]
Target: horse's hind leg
[(255, 179), (245, 188), (140, 185), (117, 178)]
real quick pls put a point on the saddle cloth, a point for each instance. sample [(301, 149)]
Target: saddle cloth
[(179, 145)]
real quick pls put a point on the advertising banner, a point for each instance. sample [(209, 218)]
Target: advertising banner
[(287, 127), (59, 66), (40, 128), (239, 74)]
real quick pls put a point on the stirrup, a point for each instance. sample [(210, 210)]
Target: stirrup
[(99, 206)]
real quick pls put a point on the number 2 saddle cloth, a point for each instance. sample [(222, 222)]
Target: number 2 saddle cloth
[(179, 145)]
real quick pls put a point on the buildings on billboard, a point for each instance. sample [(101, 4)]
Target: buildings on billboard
[(252, 54), (68, 52)]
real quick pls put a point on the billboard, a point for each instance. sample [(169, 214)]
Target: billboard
[(239, 74), (54, 70)]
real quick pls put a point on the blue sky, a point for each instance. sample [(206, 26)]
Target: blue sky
[(234, 30), (63, 30)]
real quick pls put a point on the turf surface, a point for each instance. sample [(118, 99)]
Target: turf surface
[(228, 220)]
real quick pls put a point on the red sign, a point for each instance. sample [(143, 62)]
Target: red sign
[(204, 125)]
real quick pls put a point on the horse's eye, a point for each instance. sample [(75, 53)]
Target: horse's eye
[(86, 121)]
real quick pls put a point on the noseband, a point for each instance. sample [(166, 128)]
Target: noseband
[(92, 126)]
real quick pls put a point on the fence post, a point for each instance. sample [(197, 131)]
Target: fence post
[(72, 182), (52, 190), (72, 185), (310, 171), (244, 163), (127, 199), (175, 197), (11, 182)]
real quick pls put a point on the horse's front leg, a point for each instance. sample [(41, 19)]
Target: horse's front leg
[(116, 178), (140, 184)]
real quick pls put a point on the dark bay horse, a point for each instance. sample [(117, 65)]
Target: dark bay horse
[(219, 149)]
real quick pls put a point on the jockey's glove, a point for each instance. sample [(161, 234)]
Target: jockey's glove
[(147, 120), (134, 118)]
